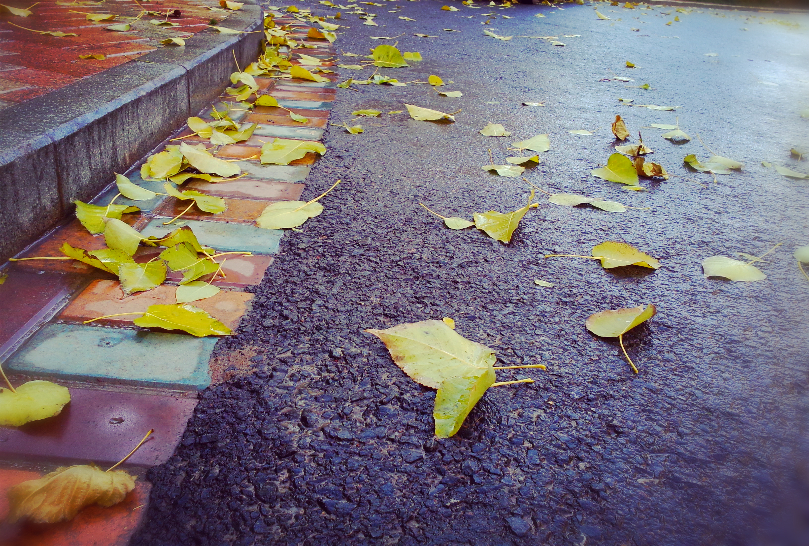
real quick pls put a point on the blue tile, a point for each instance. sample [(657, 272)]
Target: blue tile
[(281, 131), (305, 104), (134, 177), (154, 359), (223, 236), (286, 173)]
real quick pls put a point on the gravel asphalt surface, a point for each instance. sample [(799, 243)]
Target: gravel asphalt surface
[(325, 441)]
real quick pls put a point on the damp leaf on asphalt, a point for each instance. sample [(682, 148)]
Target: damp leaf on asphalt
[(451, 94), (366, 113), (426, 114), (714, 165), (802, 255), (676, 136), (299, 72), (435, 81), (501, 226), (617, 322), (574, 200), (538, 143), (634, 149), (616, 254), (121, 236), (619, 169), (290, 214), (601, 15), (543, 284), (92, 217), (494, 130), (583, 132), (521, 160), (666, 126), (99, 17), (282, 151), (619, 129), (31, 401), (136, 277), (19, 12), (649, 169), (789, 173), (388, 56), (497, 36), (734, 270), (183, 258), (656, 107), (509, 171), (60, 495), (132, 191), (199, 158), (205, 202), (412, 56), (194, 291), (452, 222), (183, 317), (436, 356)]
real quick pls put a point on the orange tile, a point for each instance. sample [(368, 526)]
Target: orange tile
[(241, 270), (93, 526), (246, 188), (302, 95), (72, 233), (276, 111), (104, 297), (239, 210)]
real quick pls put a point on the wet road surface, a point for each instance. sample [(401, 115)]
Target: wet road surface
[(328, 442)]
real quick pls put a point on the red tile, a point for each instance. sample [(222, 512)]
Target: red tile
[(31, 297), (102, 426), (302, 94), (94, 525), (285, 120), (277, 111)]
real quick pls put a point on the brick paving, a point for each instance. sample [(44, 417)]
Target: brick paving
[(125, 380), (34, 64)]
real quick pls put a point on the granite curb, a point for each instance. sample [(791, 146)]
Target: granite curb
[(67, 144)]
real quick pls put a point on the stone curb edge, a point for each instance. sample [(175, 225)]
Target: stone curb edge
[(727, 7), (68, 144)]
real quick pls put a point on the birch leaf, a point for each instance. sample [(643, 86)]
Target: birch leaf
[(619, 129), (366, 113), (121, 236), (32, 401), (203, 161), (196, 290), (615, 254), (802, 254), (182, 258), (288, 214), (205, 203), (616, 322), (137, 277), (19, 12), (181, 235), (501, 226), (173, 42), (84, 257), (60, 495), (538, 143), (282, 151), (92, 217), (789, 173), (387, 56), (494, 130), (573, 200), (111, 258), (451, 94), (132, 191), (412, 56), (453, 222), (521, 160), (265, 100), (425, 114), (619, 169), (301, 73), (509, 171), (434, 355), (98, 17), (601, 15), (734, 270), (676, 136), (715, 164), (163, 164), (182, 317), (663, 126), (435, 81)]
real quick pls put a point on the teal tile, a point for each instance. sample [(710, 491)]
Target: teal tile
[(310, 84), (134, 177), (223, 236), (305, 104), (280, 131), (87, 352), (286, 173)]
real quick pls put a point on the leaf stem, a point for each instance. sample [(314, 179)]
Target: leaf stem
[(122, 461), (502, 383), (319, 197), (432, 211), (540, 366), (10, 386), (179, 215), (40, 258), (631, 364), (573, 256), (800, 266), (758, 258), (110, 316), (235, 60)]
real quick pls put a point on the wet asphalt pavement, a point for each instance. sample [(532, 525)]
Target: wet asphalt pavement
[(328, 442)]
